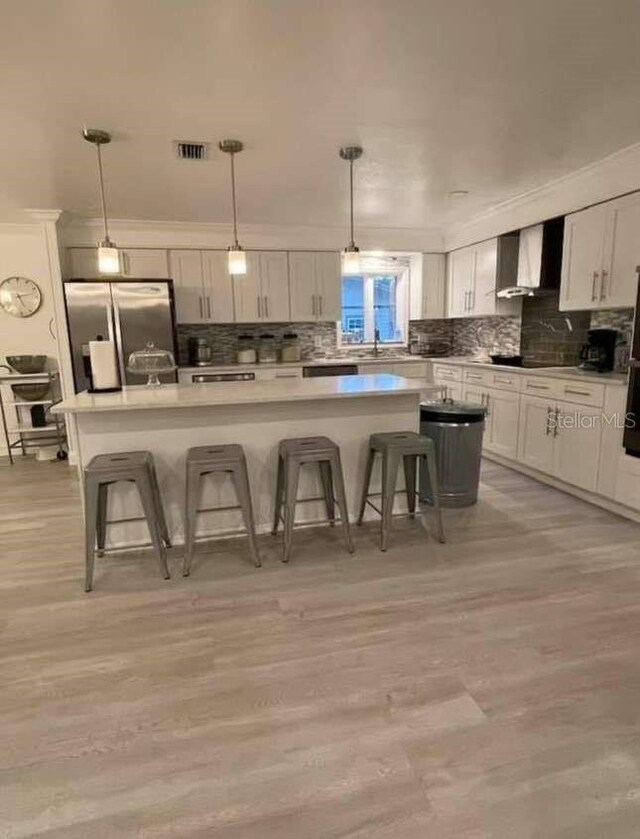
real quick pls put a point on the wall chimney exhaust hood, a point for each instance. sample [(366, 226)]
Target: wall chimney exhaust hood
[(530, 260)]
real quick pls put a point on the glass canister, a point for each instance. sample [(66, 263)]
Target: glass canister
[(151, 362), (246, 350), (267, 353), (291, 351)]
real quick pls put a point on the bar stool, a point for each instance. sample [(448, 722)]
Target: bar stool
[(294, 453), (100, 473), (394, 445), (208, 460)]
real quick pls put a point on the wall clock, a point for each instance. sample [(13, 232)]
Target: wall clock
[(20, 297)]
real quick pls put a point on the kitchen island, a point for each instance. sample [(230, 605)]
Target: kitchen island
[(169, 419)]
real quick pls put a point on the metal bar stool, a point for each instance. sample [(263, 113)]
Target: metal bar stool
[(100, 473), (394, 446), (207, 460), (294, 453)]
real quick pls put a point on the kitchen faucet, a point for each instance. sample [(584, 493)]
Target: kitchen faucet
[(376, 339)]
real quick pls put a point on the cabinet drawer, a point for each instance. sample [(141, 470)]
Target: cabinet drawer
[(447, 373), (476, 376), (539, 386), (411, 369), (584, 393), (505, 381)]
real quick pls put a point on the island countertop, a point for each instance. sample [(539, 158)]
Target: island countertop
[(180, 396)]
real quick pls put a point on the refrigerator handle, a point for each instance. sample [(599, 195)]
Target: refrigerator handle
[(118, 340)]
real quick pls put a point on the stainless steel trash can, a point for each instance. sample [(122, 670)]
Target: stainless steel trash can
[(456, 429)]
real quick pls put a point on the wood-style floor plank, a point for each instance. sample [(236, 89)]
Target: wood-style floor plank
[(488, 687)]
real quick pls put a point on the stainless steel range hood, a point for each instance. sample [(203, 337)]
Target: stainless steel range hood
[(530, 260)]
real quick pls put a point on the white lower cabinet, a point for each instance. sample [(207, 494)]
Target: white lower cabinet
[(577, 432), (535, 433), (501, 430)]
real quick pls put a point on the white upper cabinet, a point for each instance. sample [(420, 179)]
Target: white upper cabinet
[(262, 294), (600, 255), (217, 287), (186, 273), (428, 287), (135, 263), (315, 286), (202, 285), (471, 283), (619, 285)]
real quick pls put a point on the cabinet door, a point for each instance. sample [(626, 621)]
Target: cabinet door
[(247, 292), (619, 285), (582, 254), (186, 273), (217, 287), (274, 275), (577, 445), (460, 271), (433, 286), (328, 270), (302, 285), (483, 299), (501, 435), (144, 264), (535, 437), (82, 264)]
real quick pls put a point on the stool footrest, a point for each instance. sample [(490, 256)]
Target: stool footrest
[(219, 509)]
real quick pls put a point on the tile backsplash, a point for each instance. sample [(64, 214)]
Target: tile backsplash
[(543, 335)]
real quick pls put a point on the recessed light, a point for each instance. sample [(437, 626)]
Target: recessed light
[(458, 193)]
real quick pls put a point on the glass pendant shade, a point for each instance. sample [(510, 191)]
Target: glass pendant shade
[(351, 261), (237, 261), (108, 258)]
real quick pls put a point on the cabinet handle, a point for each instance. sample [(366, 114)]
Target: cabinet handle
[(603, 285), (472, 300), (266, 306), (594, 290), (208, 299), (200, 305), (486, 403), (313, 305), (531, 386), (466, 302), (320, 301), (474, 376), (548, 421), (577, 392), (259, 306), (555, 427), (502, 381)]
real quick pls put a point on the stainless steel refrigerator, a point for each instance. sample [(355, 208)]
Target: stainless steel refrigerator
[(129, 313)]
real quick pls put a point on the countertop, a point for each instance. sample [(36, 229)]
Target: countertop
[(552, 372), (310, 362), (180, 396)]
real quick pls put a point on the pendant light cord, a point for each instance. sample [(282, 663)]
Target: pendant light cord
[(353, 244), (102, 198), (233, 199)]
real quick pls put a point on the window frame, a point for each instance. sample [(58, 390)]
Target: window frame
[(402, 277)]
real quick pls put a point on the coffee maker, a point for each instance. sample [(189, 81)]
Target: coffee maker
[(199, 352), (598, 354)]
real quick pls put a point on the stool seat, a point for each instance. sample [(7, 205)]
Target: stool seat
[(215, 455), (119, 461), (410, 442), (133, 467), (393, 446), (226, 458), (293, 453)]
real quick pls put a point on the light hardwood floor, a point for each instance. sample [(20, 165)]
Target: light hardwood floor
[(489, 687)]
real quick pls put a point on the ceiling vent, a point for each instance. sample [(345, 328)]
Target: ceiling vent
[(189, 150)]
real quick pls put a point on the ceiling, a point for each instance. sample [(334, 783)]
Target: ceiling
[(492, 96)]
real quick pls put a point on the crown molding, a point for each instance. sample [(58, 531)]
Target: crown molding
[(44, 215), (602, 180)]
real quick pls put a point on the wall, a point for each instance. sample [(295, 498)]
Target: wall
[(23, 252), (550, 337)]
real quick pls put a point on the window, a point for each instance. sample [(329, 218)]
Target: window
[(374, 300)]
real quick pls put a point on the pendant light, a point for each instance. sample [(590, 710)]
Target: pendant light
[(108, 256), (237, 259), (351, 254)]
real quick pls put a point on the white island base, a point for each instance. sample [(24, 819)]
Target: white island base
[(257, 415)]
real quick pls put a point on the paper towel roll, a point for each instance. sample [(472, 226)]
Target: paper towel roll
[(103, 365)]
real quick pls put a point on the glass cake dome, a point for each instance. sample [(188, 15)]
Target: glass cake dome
[(152, 362)]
